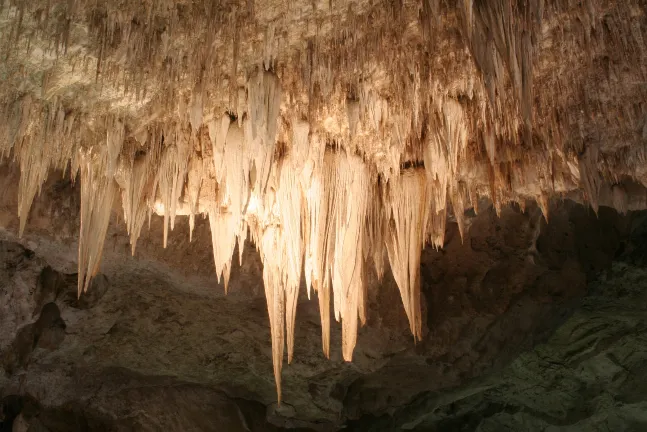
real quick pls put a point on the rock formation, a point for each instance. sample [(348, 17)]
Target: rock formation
[(339, 139)]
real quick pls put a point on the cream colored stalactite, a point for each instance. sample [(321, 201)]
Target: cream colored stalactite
[(42, 141), (193, 185), (184, 150), (352, 182), (226, 216), (277, 228), (337, 203), (140, 197), (456, 193), (224, 221), (123, 177), (263, 106), (260, 159), (34, 166), (171, 175), (223, 240), (133, 177), (311, 231), (165, 178), (444, 150), (241, 243), (115, 134), (275, 296), (235, 190), (438, 171), (97, 194), (312, 190), (318, 221), (339, 241), (436, 227), (408, 209), (375, 248), (288, 201)]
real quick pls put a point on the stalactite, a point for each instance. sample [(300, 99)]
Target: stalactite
[(42, 141), (264, 100), (351, 203), (376, 232), (275, 296), (172, 174), (223, 240), (456, 193), (405, 240), (97, 194), (502, 31), (164, 182), (193, 185), (436, 227), (115, 135), (134, 179), (280, 245), (317, 228), (34, 166), (543, 203), (288, 200)]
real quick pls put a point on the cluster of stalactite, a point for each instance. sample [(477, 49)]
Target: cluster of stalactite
[(332, 157)]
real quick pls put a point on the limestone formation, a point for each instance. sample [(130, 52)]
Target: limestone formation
[(336, 135)]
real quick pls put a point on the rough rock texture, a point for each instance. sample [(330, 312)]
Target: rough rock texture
[(148, 347), (588, 376)]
